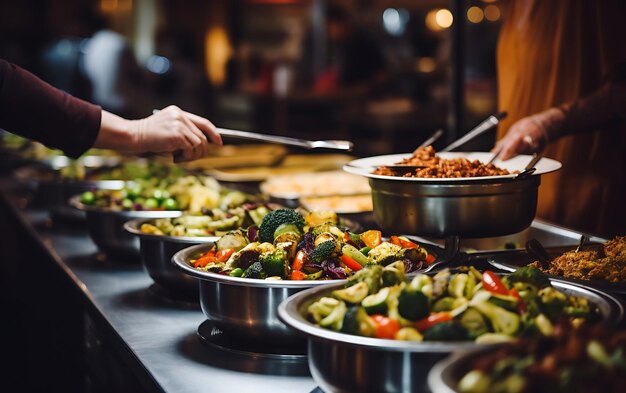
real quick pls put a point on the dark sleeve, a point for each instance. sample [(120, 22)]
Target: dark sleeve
[(34, 109)]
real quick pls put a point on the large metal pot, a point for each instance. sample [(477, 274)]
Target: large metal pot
[(106, 228), (470, 209), (342, 362), (156, 257), (244, 307)]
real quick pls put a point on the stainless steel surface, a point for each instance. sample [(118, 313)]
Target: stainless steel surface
[(550, 235), (341, 362), (480, 129), (156, 337), (106, 228), (284, 140), (243, 307), (156, 253), (472, 209)]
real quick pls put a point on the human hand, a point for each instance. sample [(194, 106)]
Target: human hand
[(530, 134), (173, 130)]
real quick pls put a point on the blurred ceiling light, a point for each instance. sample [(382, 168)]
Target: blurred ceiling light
[(395, 20), (492, 13), (217, 51), (439, 19), (444, 18), (158, 64), (475, 14), (426, 64), (489, 1)]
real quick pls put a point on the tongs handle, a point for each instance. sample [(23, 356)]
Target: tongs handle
[(480, 129)]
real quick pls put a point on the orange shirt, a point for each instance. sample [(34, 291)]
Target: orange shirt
[(553, 52)]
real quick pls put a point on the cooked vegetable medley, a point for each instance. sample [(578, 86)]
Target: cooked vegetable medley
[(189, 193), (212, 222), (576, 360), (379, 301), (287, 245)]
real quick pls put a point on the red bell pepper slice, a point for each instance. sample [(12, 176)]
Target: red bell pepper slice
[(297, 275), (432, 320), (385, 326), (223, 255), (351, 263), (298, 261), (493, 284)]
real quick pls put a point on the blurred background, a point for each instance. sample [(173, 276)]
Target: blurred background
[(385, 74)]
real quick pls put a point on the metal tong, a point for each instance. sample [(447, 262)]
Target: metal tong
[(486, 125), (284, 140)]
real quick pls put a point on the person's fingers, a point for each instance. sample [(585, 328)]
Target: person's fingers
[(202, 148), (207, 127)]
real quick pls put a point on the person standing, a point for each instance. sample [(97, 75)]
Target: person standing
[(561, 76)]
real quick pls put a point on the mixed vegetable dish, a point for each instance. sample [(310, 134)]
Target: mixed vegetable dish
[(584, 359), (210, 222), (288, 245), (174, 192), (379, 301)]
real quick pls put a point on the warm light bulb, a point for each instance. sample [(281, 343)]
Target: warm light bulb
[(444, 18)]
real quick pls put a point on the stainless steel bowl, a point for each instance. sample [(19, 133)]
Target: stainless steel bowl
[(342, 362), (466, 209), (106, 228), (156, 257), (244, 307)]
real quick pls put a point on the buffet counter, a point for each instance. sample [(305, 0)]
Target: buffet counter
[(77, 321), (89, 324)]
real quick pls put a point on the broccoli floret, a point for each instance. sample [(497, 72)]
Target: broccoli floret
[(446, 331), (385, 253), (255, 271), (528, 275), (276, 218), (322, 251), (275, 263), (370, 274)]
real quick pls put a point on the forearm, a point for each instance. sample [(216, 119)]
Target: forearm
[(117, 133)]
